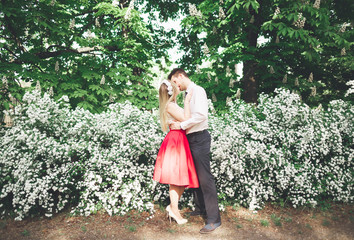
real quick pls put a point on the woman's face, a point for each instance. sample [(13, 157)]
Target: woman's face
[(177, 91)]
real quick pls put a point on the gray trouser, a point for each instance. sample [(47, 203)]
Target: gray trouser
[(205, 197)]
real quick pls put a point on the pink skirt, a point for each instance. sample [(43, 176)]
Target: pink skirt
[(174, 163)]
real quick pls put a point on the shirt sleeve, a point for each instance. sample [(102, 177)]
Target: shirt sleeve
[(199, 108)]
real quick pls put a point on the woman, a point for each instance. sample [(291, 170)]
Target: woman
[(174, 163)]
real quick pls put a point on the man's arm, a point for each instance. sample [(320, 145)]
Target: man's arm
[(200, 109)]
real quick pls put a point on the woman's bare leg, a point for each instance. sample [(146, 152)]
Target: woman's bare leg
[(175, 194)]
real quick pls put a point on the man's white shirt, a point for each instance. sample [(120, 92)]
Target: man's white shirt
[(199, 110)]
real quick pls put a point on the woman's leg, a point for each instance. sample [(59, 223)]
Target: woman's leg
[(175, 194), (180, 192)]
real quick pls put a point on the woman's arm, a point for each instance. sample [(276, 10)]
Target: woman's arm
[(178, 113)]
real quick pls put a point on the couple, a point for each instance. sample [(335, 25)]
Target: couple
[(183, 159)]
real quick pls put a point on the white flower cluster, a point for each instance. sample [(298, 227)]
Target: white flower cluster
[(4, 82), (351, 88), (317, 4), (55, 156), (343, 52), (129, 10), (277, 11), (221, 13), (300, 22), (283, 149), (206, 49), (193, 11)]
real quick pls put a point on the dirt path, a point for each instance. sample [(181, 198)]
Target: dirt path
[(237, 223)]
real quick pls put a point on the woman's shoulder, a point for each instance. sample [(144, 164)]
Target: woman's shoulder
[(173, 107)]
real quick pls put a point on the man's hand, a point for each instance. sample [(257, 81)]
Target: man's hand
[(175, 125), (189, 96)]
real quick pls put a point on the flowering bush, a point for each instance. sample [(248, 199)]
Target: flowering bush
[(54, 156), (280, 150), (283, 150)]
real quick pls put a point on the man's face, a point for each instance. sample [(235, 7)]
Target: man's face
[(177, 79)]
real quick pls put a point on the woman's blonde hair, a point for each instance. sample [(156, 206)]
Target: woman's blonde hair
[(164, 100)]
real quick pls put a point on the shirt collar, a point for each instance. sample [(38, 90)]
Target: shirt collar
[(191, 86)]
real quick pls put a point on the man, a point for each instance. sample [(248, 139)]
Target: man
[(205, 197)]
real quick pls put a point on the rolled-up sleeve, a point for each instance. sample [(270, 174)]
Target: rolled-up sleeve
[(199, 108)]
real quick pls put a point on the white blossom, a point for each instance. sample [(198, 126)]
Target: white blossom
[(206, 49), (310, 79), (103, 80), (129, 10), (56, 68), (343, 52), (51, 91), (317, 4), (193, 11), (271, 70), (55, 155), (277, 11), (221, 13), (228, 71), (38, 86), (4, 82), (285, 78), (72, 24), (97, 22), (300, 22), (351, 88)]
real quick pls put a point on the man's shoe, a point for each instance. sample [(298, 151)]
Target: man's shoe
[(196, 213), (210, 227)]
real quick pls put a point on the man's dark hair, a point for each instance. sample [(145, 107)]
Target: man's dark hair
[(177, 71)]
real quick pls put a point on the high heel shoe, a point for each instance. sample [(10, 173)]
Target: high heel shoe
[(170, 215)]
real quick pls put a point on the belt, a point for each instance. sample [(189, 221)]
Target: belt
[(197, 133)]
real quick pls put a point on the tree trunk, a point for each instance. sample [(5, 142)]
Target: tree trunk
[(249, 81)]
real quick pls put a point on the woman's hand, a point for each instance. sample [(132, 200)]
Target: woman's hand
[(175, 125), (189, 96)]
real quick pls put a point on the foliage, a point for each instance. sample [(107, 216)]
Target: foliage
[(306, 49), (282, 150), (74, 156), (95, 52)]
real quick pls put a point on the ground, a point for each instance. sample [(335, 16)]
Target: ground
[(272, 222)]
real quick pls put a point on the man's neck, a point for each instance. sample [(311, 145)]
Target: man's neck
[(188, 84)]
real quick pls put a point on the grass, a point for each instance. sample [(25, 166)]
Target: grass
[(2, 224), (289, 219), (131, 228), (83, 228), (25, 233), (239, 226), (264, 223), (308, 226), (325, 206), (276, 220), (170, 230), (326, 222), (236, 207)]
